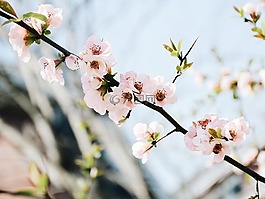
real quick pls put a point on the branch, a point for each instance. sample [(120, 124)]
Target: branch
[(245, 169), (165, 114), (179, 128)]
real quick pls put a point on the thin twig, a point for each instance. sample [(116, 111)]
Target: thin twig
[(182, 59)]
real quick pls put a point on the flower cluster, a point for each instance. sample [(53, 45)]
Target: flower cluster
[(104, 94), (243, 82), (213, 134), (20, 38), (251, 13), (146, 137)]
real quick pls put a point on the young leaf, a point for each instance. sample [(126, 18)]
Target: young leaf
[(36, 16), (168, 48), (213, 132), (47, 32), (26, 192), (149, 140), (156, 135), (4, 5), (179, 68), (174, 53), (35, 174), (43, 183), (29, 41), (187, 66), (236, 9), (173, 45), (179, 44), (11, 20)]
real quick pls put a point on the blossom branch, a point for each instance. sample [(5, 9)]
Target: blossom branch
[(179, 128), (110, 79)]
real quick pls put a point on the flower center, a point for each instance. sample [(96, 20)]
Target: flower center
[(96, 49), (160, 95), (217, 148), (204, 123), (232, 133), (138, 86), (127, 96), (94, 64)]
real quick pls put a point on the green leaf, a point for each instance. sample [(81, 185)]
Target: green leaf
[(256, 29), (262, 27), (29, 41), (11, 20), (174, 53), (241, 13), (7, 8), (43, 183), (187, 66), (173, 45), (37, 41), (150, 140), (36, 16), (179, 44), (47, 32), (168, 48), (35, 173), (179, 68), (219, 135), (156, 135), (212, 132), (26, 192)]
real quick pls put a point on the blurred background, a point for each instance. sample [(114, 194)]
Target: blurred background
[(86, 155)]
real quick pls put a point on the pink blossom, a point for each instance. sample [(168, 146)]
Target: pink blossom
[(236, 130), (226, 83), (251, 8), (125, 96), (202, 141), (139, 83), (94, 67), (164, 92), (244, 83), (118, 114), (94, 100), (262, 3), (90, 82), (139, 150), (18, 39), (142, 132), (49, 71), (54, 15), (220, 148), (96, 48), (73, 62), (188, 138), (211, 135), (262, 76)]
